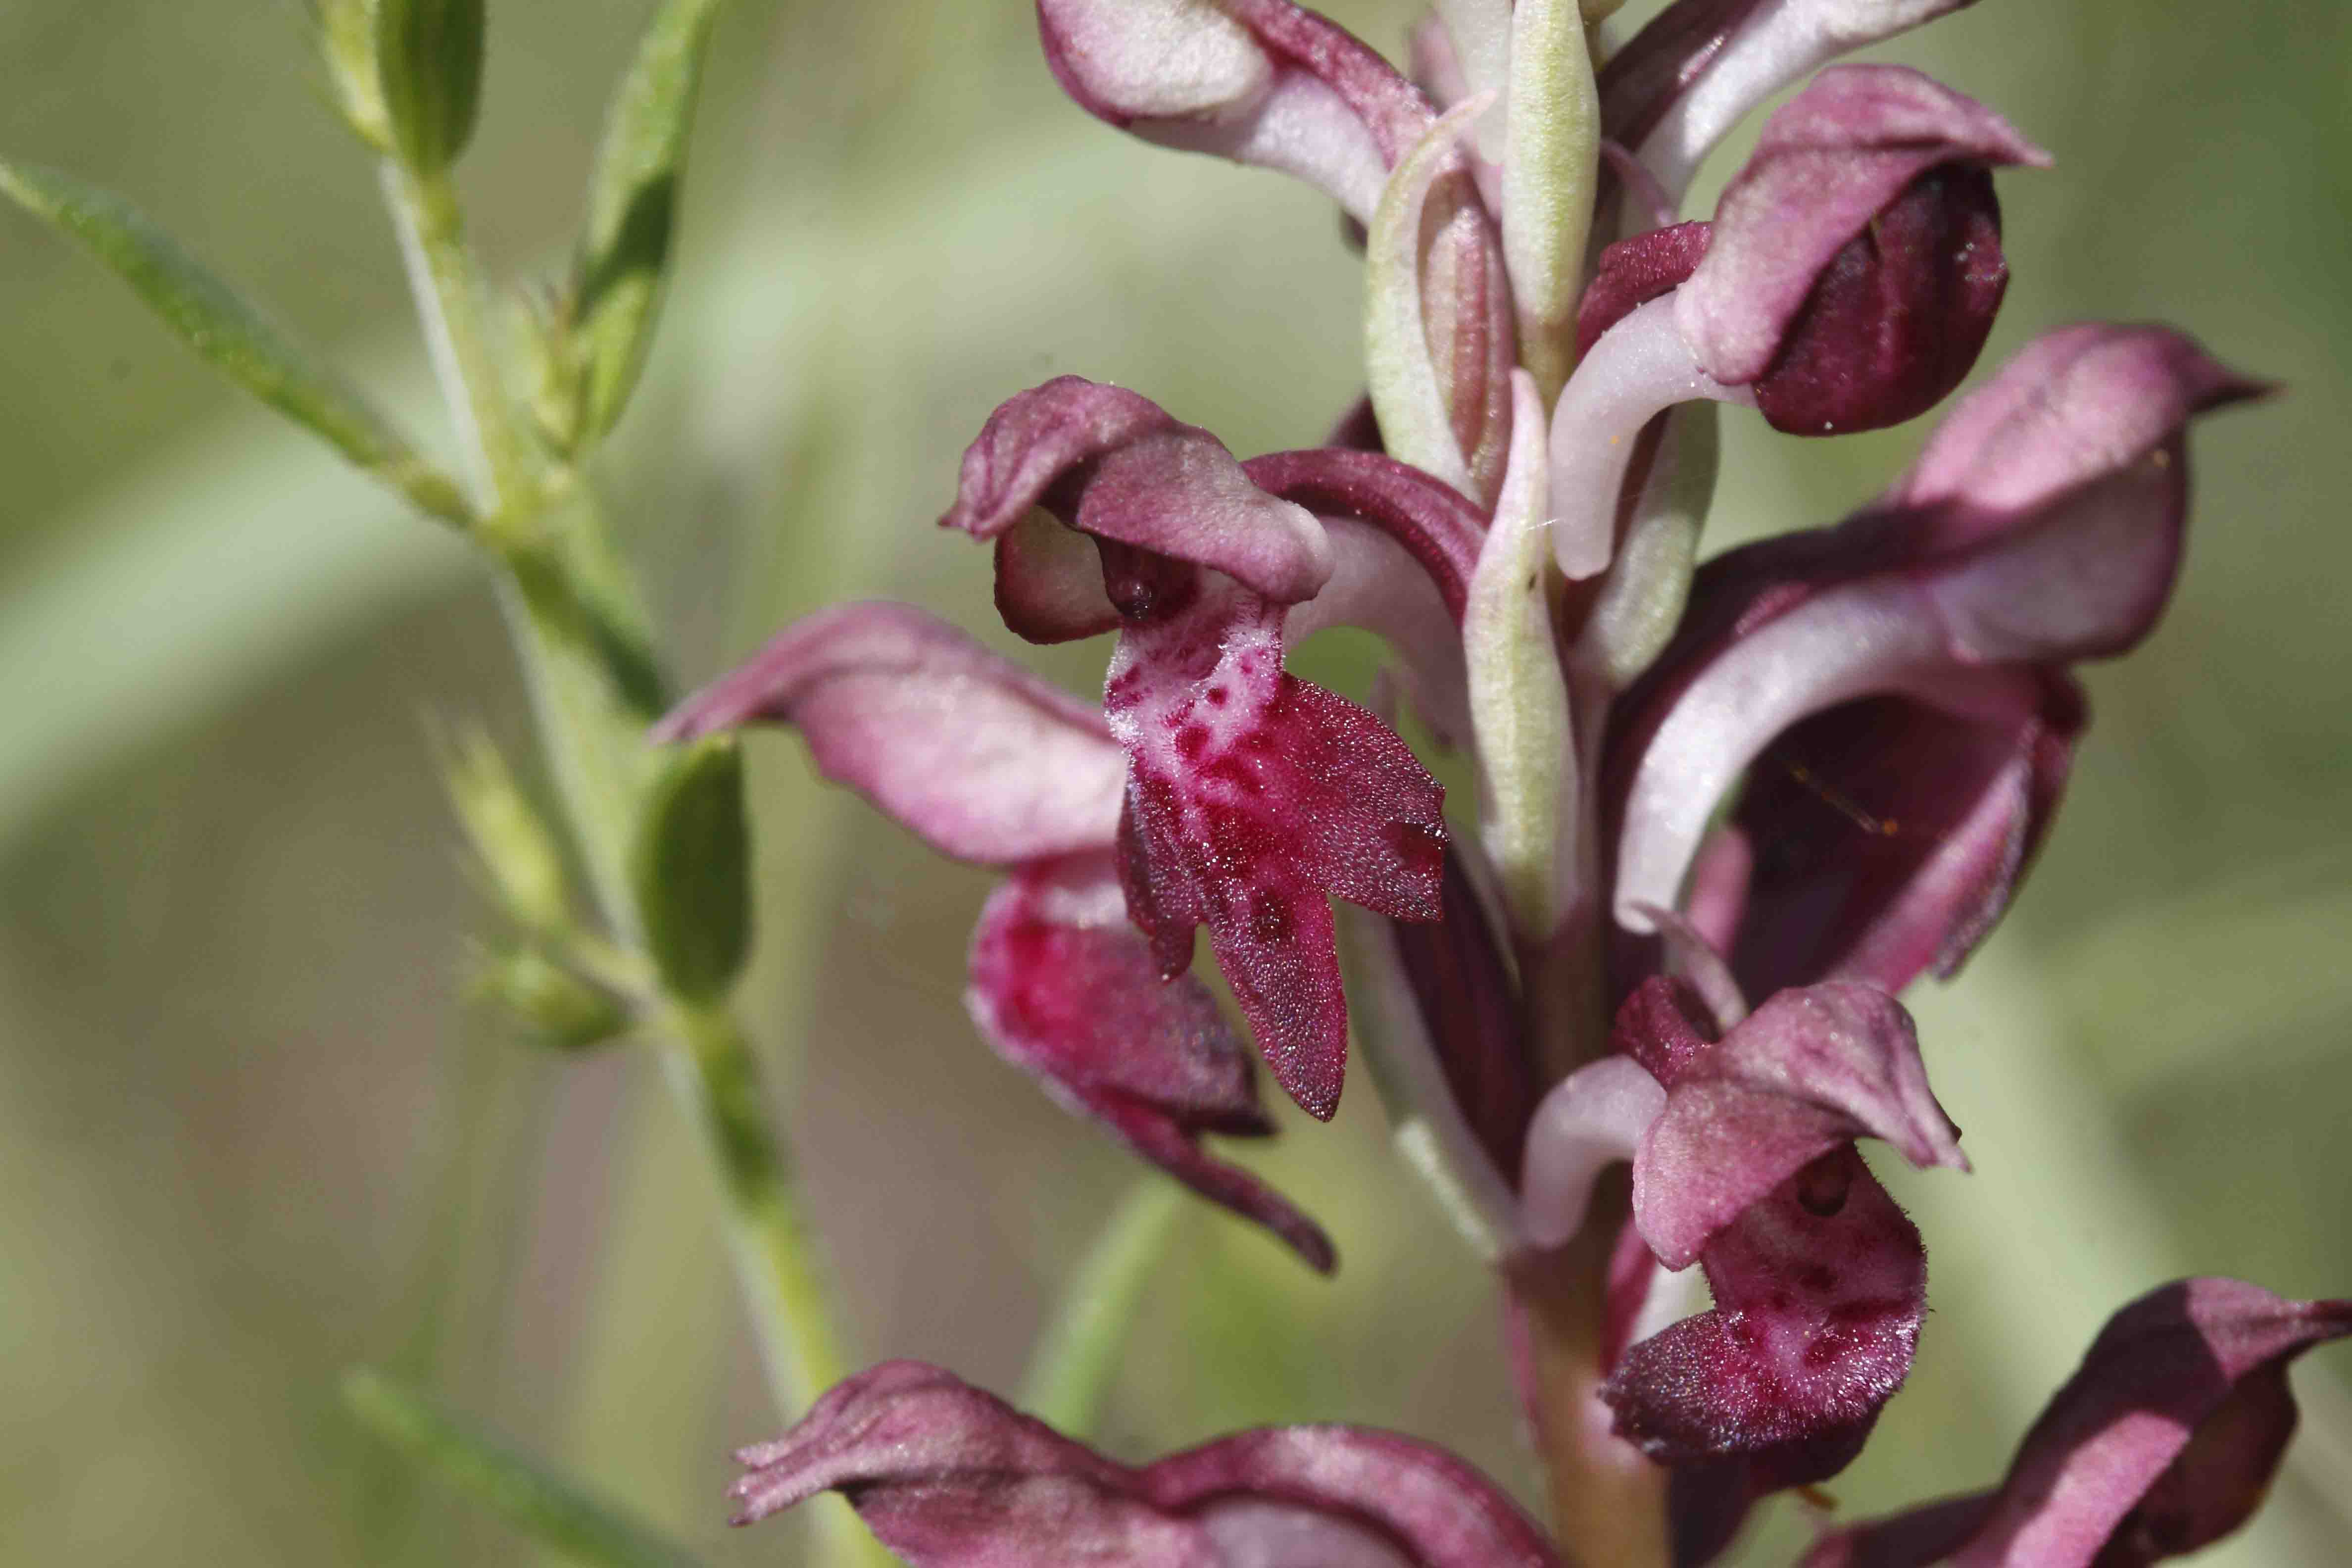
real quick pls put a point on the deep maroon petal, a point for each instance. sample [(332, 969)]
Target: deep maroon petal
[(949, 1477), (1898, 316), (1437, 525), (1253, 797), (1113, 464), (1632, 272), (1818, 1289), (1855, 262), (982, 759), (1659, 63), (1469, 1010), (2162, 1442), (1805, 1074), (1064, 989), (1890, 835)]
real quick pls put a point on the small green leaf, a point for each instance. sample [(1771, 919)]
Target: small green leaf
[(690, 870), (230, 333), (554, 1007), (428, 58), (513, 840), (527, 1495), (624, 260)]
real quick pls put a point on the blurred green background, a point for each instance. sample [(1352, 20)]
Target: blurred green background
[(250, 1133)]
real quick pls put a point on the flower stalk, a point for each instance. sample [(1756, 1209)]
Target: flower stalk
[(591, 708)]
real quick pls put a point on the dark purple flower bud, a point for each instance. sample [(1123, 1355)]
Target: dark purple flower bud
[(986, 762), (1632, 272), (1469, 1005), (2042, 525), (1251, 794), (949, 1477), (1847, 282), (1856, 263), (2163, 1442)]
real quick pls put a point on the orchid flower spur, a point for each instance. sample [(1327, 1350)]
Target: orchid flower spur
[(1632, 1014)]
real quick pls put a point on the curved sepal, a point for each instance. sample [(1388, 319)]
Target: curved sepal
[(949, 1477), (1066, 990), (979, 758), (2043, 526)]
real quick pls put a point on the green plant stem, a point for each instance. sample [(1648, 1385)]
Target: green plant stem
[(716, 1077), (441, 275), (592, 720)]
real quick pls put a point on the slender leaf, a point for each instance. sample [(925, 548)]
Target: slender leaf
[(625, 254), (536, 1501), (229, 332), (1077, 1355)]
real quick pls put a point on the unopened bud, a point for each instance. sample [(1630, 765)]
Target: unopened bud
[(690, 870), (429, 64)]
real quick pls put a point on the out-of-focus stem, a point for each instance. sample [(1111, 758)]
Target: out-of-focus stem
[(1608, 1503), (593, 733), (1077, 1352)]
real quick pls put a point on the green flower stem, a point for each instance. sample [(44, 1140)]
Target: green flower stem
[(1077, 1354), (570, 611), (441, 275), (716, 1077)]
